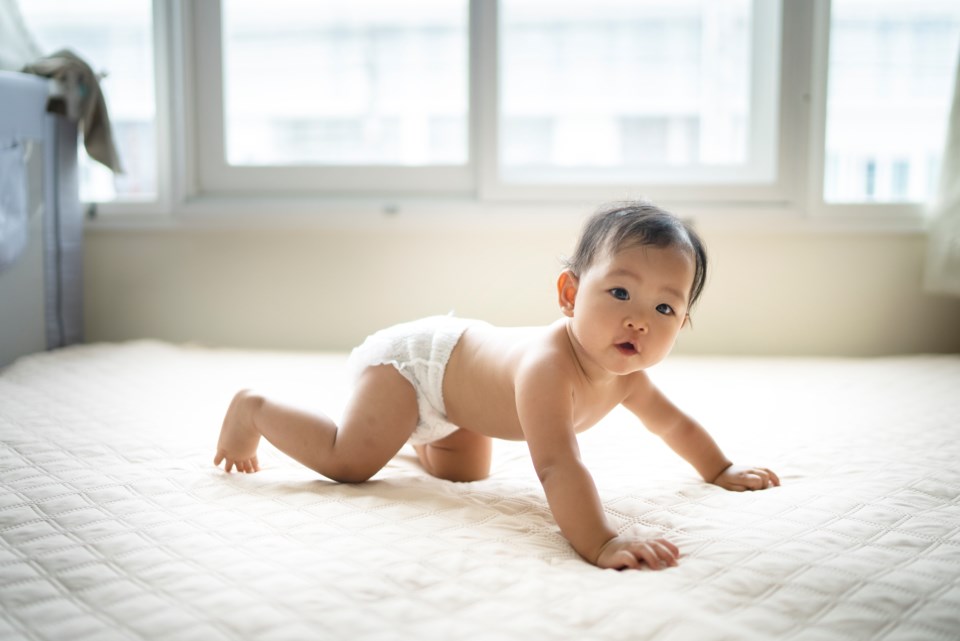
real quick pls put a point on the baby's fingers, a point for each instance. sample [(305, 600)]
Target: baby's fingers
[(673, 552), (656, 554), (649, 556), (774, 479), (626, 559), (667, 552), (761, 478), (228, 464), (222, 457), (752, 479)]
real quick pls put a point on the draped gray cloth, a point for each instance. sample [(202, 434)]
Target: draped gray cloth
[(83, 102)]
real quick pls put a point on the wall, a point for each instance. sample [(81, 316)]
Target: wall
[(802, 293)]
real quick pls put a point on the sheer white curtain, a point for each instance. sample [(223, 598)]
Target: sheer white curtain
[(943, 244), (17, 47)]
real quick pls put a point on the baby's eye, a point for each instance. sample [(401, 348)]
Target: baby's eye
[(620, 293), (665, 309)]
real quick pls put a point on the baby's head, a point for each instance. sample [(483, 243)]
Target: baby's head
[(621, 225)]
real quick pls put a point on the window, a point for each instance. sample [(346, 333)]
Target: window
[(366, 82), (890, 85), (637, 92), (324, 96), (116, 40), (382, 97), (825, 106)]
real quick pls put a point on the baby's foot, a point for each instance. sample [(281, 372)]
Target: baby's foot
[(239, 436)]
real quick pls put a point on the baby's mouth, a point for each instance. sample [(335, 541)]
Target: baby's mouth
[(627, 348)]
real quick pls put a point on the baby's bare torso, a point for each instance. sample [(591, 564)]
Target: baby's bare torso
[(480, 380)]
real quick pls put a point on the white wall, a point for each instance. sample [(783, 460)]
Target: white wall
[(768, 292)]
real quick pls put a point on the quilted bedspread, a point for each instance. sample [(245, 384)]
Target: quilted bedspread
[(114, 523)]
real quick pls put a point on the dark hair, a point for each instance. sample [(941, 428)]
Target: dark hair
[(619, 225)]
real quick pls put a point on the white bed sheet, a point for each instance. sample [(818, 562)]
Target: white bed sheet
[(115, 524)]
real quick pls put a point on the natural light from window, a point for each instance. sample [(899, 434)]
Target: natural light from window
[(365, 82), (116, 40), (891, 77), (588, 93), (618, 90)]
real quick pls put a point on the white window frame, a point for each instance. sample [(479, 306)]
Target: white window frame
[(714, 189), (907, 216), (166, 48), (196, 188), (217, 176), (480, 176)]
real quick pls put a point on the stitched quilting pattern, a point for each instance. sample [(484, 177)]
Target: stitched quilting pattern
[(114, 524)]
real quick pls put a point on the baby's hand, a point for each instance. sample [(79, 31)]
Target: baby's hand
[(739, 478), (619, 553)]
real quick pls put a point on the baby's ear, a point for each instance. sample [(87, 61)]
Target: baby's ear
[(567, 285), (687, 322)]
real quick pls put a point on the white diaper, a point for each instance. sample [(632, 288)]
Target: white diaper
[(419, 350)]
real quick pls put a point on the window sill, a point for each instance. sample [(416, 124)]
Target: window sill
[(227, 213)]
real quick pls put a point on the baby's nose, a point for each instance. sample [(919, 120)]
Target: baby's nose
[(636, 324)]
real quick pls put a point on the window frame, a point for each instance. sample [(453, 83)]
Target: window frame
[(215, 175), (191, 191), (903, 215), (134, 209), (493, 187)]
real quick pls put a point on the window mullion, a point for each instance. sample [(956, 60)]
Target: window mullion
[(208, 90), (484, 100), (819, 38)]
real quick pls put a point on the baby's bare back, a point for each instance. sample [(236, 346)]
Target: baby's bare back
[(479, 386)]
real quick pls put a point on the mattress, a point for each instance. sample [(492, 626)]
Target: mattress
[(114, 523)]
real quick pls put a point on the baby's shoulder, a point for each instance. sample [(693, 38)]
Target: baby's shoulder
[(505, 352), (546, 356)]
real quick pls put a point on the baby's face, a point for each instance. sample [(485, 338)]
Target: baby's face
[(631, 305)]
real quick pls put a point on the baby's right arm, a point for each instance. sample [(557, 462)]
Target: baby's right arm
[(545, 408)]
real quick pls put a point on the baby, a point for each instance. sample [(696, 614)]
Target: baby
[(449, 385)]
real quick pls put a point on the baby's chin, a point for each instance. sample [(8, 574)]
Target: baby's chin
[(645, 360)]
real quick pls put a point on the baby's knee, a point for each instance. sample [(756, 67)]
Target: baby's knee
[(249, 399), (451, 465), (463, 475), (348, 472), (350, 477)]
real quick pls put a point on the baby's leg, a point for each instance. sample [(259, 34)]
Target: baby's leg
[(378, 420), (462, 456)]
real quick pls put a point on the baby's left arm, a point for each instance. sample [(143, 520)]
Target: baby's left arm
[(690, 440)]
